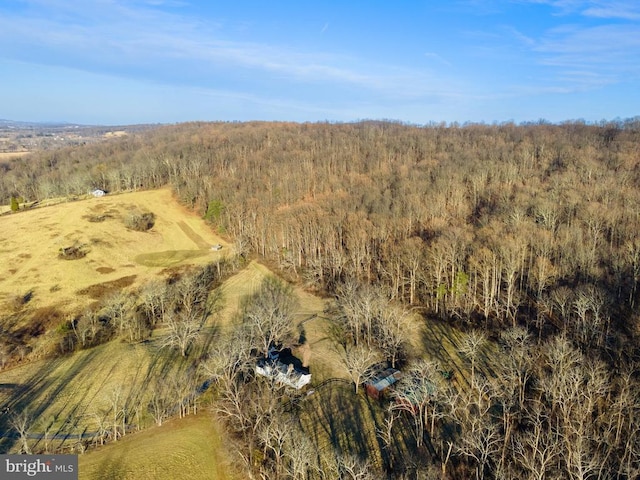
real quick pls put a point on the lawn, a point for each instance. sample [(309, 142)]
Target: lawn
[(335, 418), (191, 448)]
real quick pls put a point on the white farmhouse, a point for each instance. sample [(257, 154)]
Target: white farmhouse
[(276, 367)]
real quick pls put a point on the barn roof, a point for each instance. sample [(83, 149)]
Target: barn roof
[(385, 379)]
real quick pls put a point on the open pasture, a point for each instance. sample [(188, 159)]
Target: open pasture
[(30, 243)]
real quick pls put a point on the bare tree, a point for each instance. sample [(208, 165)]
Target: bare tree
[(274, 434), (574, 386), (117, 412), (349, 467), (392, 332), (590, 308), (517, 367), (417, 393), (480, 438), (21, 423), (481, 441), (156, 299), (385, 434), (102, 425), (268, 314), (160, 401), (5, 353), (229, 366), (471, 347), (512, 255), (184, 330), (87, 328), (357, 361), (536, 449), (302, 456), (360, 305), (562, 298), (46, 425), (184, 385), (117, 308)]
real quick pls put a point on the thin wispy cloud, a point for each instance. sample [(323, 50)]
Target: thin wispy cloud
[(437, 57), (616, 10), (603, 54), (621, 9), (133, 35), (580, 56), (521, 37)]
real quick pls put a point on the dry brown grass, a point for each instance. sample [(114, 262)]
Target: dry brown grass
[(10, 155), (116, 133), (76, 386), (31, 240), (335, 418)]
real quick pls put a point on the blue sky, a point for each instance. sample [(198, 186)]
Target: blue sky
[(164, 61)]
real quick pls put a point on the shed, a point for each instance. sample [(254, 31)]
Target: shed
[(98, 193), (380, 383)]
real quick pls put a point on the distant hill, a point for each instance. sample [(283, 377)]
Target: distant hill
[(16, 124)]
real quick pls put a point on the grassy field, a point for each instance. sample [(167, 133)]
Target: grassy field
[(191, 447), (31, 240), (69, 394)]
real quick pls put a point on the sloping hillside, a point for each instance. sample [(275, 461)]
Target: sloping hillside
[(115, 256)]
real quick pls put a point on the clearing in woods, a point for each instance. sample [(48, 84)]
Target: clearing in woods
[(116, 257)]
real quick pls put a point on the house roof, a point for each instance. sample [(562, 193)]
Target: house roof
[(283, 371)]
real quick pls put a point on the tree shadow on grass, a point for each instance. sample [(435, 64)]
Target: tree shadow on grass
[(167, 362), (338, 420), (443, 343), (37, 393)]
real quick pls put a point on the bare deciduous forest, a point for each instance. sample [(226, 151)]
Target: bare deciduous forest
[(524, 237)]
